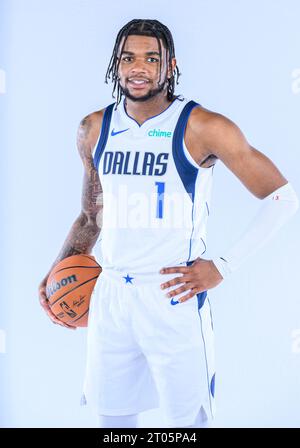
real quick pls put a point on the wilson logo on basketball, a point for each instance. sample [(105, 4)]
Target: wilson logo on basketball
[(53, 287), (70, 286)]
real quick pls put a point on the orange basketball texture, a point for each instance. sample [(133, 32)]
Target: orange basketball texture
[(70, 286)]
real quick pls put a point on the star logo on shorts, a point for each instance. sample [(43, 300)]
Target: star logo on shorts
[(128, 278)]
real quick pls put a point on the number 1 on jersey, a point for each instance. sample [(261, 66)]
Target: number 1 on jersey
[(160, 199)]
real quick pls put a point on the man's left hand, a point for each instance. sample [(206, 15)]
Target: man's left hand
[(196, 278)]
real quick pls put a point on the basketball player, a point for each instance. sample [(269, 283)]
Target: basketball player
[(149, 160)]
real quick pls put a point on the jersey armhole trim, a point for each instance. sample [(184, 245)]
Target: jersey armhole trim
[(188, 155), (193, 161), (186, 170), (102, 139), (96, 144)]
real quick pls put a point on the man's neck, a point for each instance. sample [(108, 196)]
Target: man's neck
[(141, 111)]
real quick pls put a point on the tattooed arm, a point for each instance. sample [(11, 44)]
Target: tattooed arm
[(86, 228)]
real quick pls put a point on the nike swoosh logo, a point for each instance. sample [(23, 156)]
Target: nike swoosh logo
[(118, 132), (174, 302)]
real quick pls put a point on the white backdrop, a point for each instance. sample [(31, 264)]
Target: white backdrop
[(239, 58)]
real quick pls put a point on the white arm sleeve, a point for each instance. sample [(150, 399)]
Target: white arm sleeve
[(277, 208)]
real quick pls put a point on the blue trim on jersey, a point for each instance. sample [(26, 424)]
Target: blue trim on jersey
[(201, 296), (207, 208), (212, 385), (211, 319), (190, 248), (104, 134), (204, 246), (154, 116), (187, 172), (206, 362)]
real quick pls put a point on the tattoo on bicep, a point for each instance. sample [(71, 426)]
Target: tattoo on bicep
[(85, 126), (92, 195), (85, 230), (84, 129)]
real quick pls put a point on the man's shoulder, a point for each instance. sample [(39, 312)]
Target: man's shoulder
[(90, 127), (203, 116), (204, 121), (93, 120)]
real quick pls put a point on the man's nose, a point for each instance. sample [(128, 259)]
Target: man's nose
[(138, 66)]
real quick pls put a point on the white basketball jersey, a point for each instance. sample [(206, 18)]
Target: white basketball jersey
[(155, 196)]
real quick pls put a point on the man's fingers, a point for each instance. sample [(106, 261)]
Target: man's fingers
[(183, 288), (46, 306), (71, 327), (175, 281), (188, 296), (55, 320), (175, 269)]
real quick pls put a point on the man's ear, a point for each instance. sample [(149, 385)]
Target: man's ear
[(172, 68)]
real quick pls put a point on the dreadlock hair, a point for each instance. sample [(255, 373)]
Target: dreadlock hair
[(143, 27)]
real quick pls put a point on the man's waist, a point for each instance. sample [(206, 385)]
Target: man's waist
[(128, 277)]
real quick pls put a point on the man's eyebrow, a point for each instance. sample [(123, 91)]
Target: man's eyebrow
[(148, 53)]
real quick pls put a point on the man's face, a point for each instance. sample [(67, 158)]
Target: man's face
[(139, 68)]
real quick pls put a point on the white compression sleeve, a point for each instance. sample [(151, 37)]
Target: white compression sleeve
[(277, 208)]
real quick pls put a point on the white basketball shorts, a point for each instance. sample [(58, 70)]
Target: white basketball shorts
[(144, 352)]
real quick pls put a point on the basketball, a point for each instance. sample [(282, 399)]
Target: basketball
[(70, 286)]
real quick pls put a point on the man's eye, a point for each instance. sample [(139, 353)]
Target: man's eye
[(129, 58)]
